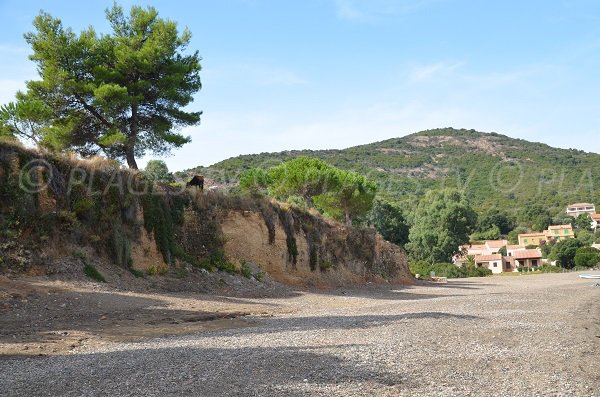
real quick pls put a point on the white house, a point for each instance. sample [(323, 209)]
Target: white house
[(490, 247), (577, 209), (493, 262)]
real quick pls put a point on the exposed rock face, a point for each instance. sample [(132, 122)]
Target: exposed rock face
[(102, 218), (343, 255)]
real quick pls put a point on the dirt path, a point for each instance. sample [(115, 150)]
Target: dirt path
[(499, 336)]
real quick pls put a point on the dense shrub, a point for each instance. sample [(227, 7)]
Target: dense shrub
[(478, 272), (447, 270), (550, 269), (586, 257)]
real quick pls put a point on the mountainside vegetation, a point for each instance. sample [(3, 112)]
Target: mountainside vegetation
[(528, 183)]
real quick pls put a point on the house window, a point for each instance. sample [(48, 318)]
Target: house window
[(556, 232), (495, 264), (566, 231), (534, 262), (525, 240)]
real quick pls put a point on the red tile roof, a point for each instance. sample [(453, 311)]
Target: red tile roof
[(560, 227), (528, 254), (487, 258), (474, 247), (596, 217), (496, 243)]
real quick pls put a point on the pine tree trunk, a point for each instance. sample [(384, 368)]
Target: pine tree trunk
[(130, 157), (130, 153)]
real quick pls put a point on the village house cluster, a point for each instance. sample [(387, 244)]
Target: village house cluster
[(499, 256)]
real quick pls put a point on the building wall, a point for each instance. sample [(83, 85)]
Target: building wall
[(528, 262), (531, 240), (494, 266), (563, 234)]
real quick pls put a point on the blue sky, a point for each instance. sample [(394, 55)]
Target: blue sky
[(317, 74)]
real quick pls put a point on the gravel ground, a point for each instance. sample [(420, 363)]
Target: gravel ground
[(499, 336)]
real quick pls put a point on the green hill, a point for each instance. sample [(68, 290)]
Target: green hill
[(494, 170)]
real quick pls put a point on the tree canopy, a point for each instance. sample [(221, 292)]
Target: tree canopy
[(121, 93), (582, 222), (564, 252), (389, 221), (347, 195), (586, 257), (303, 176), (340, 194), (157, 170), (442, 223)]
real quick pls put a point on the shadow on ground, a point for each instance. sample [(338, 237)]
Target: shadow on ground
[(246, 371)]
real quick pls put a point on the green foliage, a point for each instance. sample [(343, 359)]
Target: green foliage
[(156, 270), (24, 119), (535, 216), (513, 235), (158, 219), (491, 234), (586, 236), (122, 93), (259, 276), (120, 248), (550, 269), (582, 222), (245, 270), (441, 224), (325, 265), (297, 201), (255, 181), (157, 171), (546, 248), (90, 271), (304, 176), (424, 269), (564, 252), (340, 194), (287, 221), (348, 195), (218, 260), (503, 251), (494, 220), (496, 172), (389, 221), (586, 257)]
